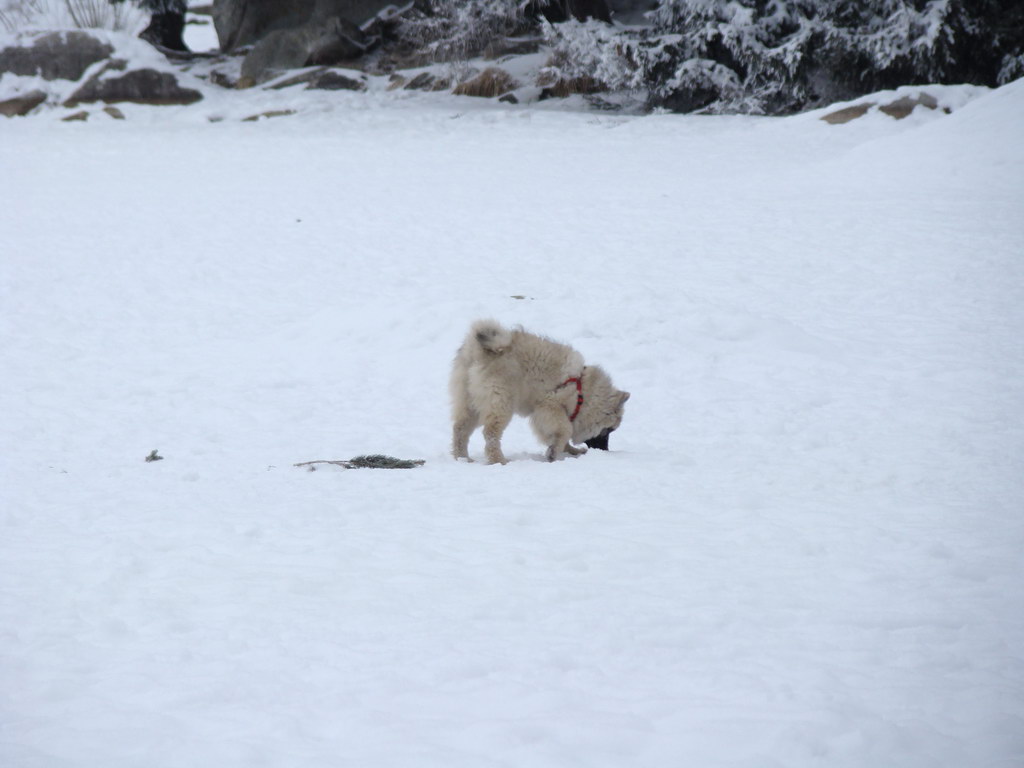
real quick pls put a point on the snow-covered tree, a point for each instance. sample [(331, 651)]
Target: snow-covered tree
[(17, 15), (166, 22), (447, 30), (778, 56)]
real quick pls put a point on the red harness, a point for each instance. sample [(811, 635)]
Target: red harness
[(579, 395)]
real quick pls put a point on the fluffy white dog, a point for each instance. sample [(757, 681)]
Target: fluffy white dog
[(499, 372)]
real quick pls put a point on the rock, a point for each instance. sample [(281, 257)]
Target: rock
[(330, 42), (21, 105), (322, 79), (424, 81), (560, 88), (55, 55), (223, 80), (280, 50), (897, 109), (509, 98), (77, 117), (396, 81), (488, 84), (299, 79), (288, 34), (246, 22), (441, 84), (338, 40), (335, 81), (555, 85), (114, 112), (902, 107), (268, 114), (847, 114), (142, 86)]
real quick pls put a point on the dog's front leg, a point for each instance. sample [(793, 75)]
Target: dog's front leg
[(554, 453), (553, 428)]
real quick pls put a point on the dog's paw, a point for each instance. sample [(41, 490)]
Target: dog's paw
[(554, 454)]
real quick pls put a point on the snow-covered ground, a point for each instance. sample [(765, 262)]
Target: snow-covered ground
[(806, 547)]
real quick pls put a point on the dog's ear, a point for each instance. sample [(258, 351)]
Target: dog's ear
[(623, 397)]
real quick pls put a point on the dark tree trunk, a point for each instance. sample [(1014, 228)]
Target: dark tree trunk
[(165, 30), (166, 23)]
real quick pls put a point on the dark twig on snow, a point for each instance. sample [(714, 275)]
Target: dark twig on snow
[(375, 461)]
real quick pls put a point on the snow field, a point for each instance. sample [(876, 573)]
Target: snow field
[(803, 548)]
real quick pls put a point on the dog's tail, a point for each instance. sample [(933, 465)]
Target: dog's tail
[(491, 335)]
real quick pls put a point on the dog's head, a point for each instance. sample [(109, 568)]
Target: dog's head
[(602, 409)]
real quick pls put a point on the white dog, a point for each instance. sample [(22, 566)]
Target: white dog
[(498, 373)]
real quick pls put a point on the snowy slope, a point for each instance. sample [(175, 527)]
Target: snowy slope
[(803, 550)]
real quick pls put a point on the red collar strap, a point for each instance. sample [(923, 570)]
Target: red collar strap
[(579, 394)]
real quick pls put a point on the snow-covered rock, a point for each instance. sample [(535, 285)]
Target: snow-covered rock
[(74, 67), (903, 102), (16, 106), (62, 55), (490, 83), (116, 82), (245, 22), (329, 41)]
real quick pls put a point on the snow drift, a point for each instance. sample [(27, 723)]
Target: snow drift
[(803, 549)]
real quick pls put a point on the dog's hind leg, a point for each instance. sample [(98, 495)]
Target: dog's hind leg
[(494, 426), (465, 420), (465, 417)]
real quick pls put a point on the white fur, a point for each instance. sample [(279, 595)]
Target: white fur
[(498, 373)]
